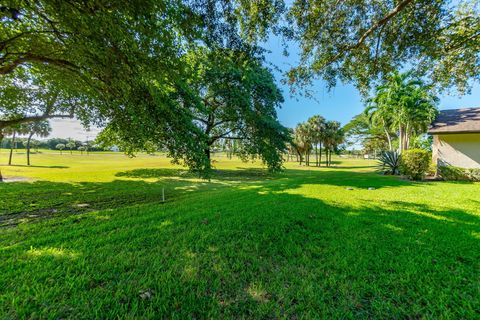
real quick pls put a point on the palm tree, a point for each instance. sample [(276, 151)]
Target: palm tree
[(13, 131), (403, 102), (333, 137), (317, 125), (39, 128), (298, 142), (303, 141), (380, 114)]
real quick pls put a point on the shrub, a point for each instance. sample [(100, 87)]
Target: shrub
[(415, 163), (455, 173), (432, 169), (473, 174), (390, 162)]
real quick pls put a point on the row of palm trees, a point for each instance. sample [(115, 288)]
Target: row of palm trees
[(314, 136)]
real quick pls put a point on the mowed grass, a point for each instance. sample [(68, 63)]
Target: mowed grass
[(89, 237)]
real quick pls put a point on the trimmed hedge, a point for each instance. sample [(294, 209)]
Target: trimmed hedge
[(415, 163), (460, 174)]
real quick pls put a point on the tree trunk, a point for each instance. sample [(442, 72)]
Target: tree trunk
[(320, 156), (407, 138), (400, 139), (389, 139), (11, 149), (28, 148), (208, 154), (1, 140)]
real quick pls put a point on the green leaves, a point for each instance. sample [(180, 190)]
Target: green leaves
[(363, 41), (403, 105)]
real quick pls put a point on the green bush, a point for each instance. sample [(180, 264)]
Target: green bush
[(455, 173), (432, 169), (415, 163)]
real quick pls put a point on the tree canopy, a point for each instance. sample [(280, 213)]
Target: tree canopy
[(361, 41), (128, 58), (236, 99)]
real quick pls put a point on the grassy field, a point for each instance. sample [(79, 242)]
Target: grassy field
[(89, 237)]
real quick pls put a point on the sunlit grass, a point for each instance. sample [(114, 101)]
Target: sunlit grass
[(89, 237)]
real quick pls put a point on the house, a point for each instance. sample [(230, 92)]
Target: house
[(456, 138)]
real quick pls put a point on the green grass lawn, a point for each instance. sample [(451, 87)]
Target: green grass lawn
[(89, 237)]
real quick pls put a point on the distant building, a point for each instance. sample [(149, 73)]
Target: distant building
[(456, 138)]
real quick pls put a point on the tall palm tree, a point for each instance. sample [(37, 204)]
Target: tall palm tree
[(333, 137), (303, 142), (380, 115), (403, 103), (39, 128), (317, 125)]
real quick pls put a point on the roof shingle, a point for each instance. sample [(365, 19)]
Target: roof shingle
[(456, 121)]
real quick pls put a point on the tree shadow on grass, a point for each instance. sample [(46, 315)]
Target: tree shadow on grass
[(292, 178), (264, 255), (460, 217), (23, 202), (35, 166), (241, 174)]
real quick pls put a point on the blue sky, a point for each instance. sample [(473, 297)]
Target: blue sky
[(341, 104)]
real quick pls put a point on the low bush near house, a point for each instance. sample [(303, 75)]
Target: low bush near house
[(432, 169), (454, 173), (415, 163), (389, 162)]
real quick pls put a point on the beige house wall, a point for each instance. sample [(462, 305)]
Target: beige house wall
[(457, 149)]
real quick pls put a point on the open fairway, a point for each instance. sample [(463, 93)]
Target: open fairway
[(89, 237)]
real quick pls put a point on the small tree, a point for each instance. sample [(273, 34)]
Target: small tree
[(13, 131), (81, 149), (70, 145), (60, 147), (39, 128), (35, 144)]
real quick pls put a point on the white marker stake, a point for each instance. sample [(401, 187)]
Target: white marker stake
[(163, 194)]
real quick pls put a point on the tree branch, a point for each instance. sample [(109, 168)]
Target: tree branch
[(30, 57), (9, 123), (367, 33)]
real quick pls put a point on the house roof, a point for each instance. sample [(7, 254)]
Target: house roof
[(456, 121)]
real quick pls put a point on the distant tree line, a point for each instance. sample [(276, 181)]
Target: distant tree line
[(50, 144)]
